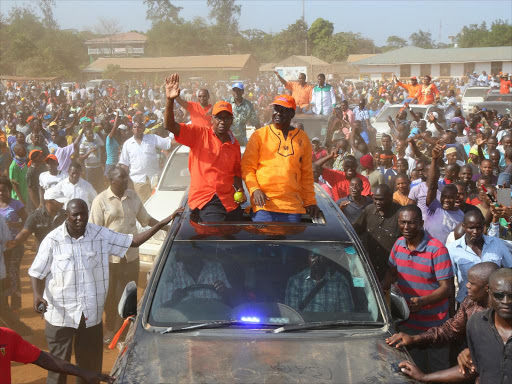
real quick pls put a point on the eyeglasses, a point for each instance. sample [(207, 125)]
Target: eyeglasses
[(227, 118), (501, 295)]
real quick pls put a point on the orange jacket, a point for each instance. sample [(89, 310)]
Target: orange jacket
[(281, 168)]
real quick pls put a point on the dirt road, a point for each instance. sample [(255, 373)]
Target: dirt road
[(31, 373)]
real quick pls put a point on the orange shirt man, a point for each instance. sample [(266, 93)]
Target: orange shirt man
[(505, 85), (200, 112), (214, 159), (301, 91), (428, 92), (412, 89)]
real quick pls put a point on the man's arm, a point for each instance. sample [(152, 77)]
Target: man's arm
[(433, 174), (432, 119), (172, 91), (308, 182), (53, 363), (450, 375), (285, 83), (321, 162), (76, 143), (182, 103), (141, 238), (444, 291)]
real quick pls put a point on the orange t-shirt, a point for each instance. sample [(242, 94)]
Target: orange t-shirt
[(505, 86), (213, 166), (199, 115), (301, 94), (426, 95)]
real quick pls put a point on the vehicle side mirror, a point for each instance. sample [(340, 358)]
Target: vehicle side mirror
[(128, 303), (399, 307), (372, 119)]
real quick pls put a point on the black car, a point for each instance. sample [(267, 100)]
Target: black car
[(237, 303)]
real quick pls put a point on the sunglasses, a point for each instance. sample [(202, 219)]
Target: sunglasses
[(501, 295)]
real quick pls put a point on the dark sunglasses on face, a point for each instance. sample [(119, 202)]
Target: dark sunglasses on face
[(501, 295)]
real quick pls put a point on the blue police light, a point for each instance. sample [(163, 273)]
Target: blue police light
[(250, 319)]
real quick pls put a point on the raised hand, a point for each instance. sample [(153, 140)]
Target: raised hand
[(172, 86)]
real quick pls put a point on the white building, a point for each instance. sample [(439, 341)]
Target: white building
[(441, 63)]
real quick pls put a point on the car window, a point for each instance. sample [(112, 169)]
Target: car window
[(499, 97), (177, 175), (269, 282), (475, 92), (393, 110)]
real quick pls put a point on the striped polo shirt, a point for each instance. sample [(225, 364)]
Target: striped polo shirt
[(419, 273)]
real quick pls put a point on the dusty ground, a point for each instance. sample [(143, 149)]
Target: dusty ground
[(31, 373)]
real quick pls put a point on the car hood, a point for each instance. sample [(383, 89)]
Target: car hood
[(223, 356)]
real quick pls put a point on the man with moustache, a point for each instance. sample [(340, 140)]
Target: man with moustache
[(214, 160)]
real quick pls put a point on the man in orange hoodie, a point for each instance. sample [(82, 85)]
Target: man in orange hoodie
[(277, 168)]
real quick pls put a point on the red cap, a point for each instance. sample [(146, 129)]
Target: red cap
[(285, 101), (222, 106), (51, 157), (366, 161), (414, 78)]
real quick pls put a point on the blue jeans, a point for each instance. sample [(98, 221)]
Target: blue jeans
[(267, 216)]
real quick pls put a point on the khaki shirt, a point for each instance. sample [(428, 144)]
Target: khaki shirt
[(119, 215)]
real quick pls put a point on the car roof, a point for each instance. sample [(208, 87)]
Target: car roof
[(334, 227)]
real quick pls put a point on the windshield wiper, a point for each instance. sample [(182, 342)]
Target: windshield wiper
[(213, 324), (325, 324)]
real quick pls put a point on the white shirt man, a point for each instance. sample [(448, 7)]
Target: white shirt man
[(142, 161), (81, 190)]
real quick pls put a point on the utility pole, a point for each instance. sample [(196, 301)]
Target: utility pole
[(230, 47), (304, 21)]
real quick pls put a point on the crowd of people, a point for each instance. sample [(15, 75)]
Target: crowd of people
[(430, 201)]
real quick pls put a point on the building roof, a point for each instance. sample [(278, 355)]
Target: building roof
[(267, 67), (297, 60), (415, 55), (177, 63), (128, 37), (354, 58)]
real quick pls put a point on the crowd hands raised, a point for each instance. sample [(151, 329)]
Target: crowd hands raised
[(429, 200)]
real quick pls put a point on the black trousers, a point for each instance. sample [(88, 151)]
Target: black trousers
[(88, 344), (120, 274), (214, 211)]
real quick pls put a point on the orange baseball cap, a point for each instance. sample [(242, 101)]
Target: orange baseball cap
[(51, 157), (285, 101), (222, 106)]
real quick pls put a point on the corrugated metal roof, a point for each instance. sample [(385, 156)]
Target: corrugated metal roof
[(157, 64), (120, 38), (415, 55), (354, 58), (297, 60)]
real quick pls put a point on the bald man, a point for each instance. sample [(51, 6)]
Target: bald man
[(474, 247), (454, 329), (200, 112)]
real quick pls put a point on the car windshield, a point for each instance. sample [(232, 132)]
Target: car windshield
[(176, 175), (393, 110), (270, 283), (476, 92)]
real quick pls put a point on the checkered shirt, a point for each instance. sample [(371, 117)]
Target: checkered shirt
[(76, 272)]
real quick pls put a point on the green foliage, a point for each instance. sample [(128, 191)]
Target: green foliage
[(33, 47), (162, 10), (395, 42), (290, 41), (113, 71), (226, 14), (474, 35), (422, 39), (320, 31)]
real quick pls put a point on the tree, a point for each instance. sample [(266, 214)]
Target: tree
[(320, 31), (46, 7), (112, 71), (476, 35), (107, 27), (342, 44), (162, 10), (396, 42), (290, 41), (422, 39), (226, 14)]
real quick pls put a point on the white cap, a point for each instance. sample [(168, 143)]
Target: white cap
[(122, 127), (54, 194)]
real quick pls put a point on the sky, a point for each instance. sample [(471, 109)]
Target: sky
[(373, 19)]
